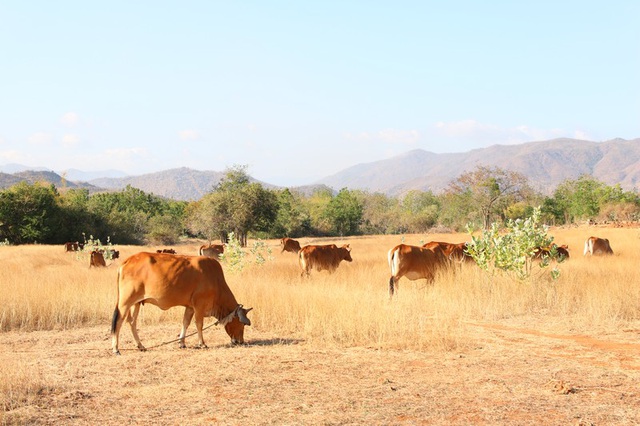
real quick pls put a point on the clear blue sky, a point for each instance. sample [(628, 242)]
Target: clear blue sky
[(300, 90)]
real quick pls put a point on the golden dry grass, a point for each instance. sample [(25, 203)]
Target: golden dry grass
[(327, 334)]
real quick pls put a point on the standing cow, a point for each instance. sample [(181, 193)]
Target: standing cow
[(597, 246), (165, 280), (96, 258), (290, 245), (414, 263), (323, 257), (211, 250)]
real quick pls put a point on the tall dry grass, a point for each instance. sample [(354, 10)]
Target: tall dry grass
[(43, 288)]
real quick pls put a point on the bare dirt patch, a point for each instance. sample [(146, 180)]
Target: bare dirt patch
[(509, 373)]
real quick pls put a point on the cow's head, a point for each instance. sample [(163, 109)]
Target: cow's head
[(234, 324), (346, 253)]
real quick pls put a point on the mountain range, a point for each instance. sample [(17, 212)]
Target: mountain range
[(545, 163)]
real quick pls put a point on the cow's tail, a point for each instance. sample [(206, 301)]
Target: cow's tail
[(116, 312), (393, 266), (588, 247)]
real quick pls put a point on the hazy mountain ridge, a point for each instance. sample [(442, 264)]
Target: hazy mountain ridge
[(546, 164)]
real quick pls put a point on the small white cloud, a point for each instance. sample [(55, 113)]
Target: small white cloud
[(40, 138), (189, 135), (11, 156), (70, 119), (70, 140), (405, 137), (481, 134), (582, 135)]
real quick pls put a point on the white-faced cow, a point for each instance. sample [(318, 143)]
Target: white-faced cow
[(414, 263), (165, 280), (323, 257), (597, 246), (290, 245), (73, 246), (211, 250)]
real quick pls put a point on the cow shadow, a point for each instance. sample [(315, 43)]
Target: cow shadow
[(274, 342)]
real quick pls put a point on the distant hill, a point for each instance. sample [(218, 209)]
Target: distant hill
[(546, 164)]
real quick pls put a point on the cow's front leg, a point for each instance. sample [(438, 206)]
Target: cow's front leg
[(186, 320)]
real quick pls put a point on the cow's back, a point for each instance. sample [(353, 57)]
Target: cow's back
[(168, 280)]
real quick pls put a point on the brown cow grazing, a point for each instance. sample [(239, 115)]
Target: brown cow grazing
[(414, 263), (169, 251), (211, 250), (562, 252), (164, 280), (71, 246), (96, 259), (455, 252), (597, 246), (290, 245), (323, 257)]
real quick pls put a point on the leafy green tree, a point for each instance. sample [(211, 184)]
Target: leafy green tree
[(235, 205), (379, 214), (29, 213), (344, 213), (292, 220)]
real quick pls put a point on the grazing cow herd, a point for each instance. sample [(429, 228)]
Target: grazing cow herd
[(166, 279)]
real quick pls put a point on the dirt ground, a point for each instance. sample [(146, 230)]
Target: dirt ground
[(513, 372)]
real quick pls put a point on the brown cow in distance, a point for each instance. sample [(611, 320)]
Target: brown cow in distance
[(455, 252), (597, 246), (290, 245), (211, 250), (323, 257), (195, 282), (96, 259), (73, 246), (414, 263), (169, 251), (562, 252)]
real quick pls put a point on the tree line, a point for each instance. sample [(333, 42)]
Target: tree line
[(40, 213)]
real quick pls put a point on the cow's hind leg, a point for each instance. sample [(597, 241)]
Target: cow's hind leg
[(133, 318), (186, 320), (116, 324)]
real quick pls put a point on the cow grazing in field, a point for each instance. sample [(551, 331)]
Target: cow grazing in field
[(71, 246), (96, 259), (164, 280), (562, 252), (597, 246), (455, 252), (168, 251), (211, 250), (290, 245), (414, 263), (323, 257)]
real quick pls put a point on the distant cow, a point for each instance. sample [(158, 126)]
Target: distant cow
[(96, 259), (169, 251), (455, 252), (211, 250), (562, 252), (597, 246), (323, 257), (71, 246), (414, 263), (290, 245), (197, 283)]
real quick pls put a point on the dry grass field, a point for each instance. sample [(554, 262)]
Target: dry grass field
[(331, 349)]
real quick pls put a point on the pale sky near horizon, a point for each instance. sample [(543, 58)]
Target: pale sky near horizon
[(301, 90)]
